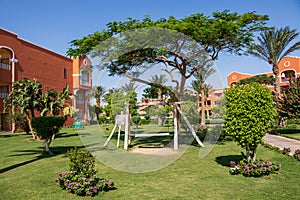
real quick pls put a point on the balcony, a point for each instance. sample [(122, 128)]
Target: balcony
[(3, 95), (85, 79), (4, 63)]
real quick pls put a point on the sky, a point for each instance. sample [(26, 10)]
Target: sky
[(53, 24)]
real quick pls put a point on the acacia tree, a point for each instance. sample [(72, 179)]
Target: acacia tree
[(138, 45), (250, 114), (273, 46)]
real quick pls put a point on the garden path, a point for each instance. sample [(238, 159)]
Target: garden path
[(281, 142)]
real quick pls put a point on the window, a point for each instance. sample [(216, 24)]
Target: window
[(4, 63), (65, 73), (4, 91), (84, 78), (80, 99)]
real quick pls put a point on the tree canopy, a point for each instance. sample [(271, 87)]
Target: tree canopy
[(184, 45)]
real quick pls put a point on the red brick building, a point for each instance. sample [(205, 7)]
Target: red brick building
[(21, 59)]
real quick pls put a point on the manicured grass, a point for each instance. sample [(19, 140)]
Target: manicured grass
[(27, 173)]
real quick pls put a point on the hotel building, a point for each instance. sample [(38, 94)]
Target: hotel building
[(21, 59)]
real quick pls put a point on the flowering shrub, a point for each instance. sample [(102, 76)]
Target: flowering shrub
[(286, 151), (297, 154), (82, 161), (76, 183), (255, 169), (82, 179)]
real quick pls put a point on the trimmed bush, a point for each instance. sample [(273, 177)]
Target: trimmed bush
[(46, 126)]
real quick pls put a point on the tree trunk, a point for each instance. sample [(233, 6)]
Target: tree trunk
[(202, 107), (248, 154), (198, 102), (206, 109), (277, 80), (47, 142), (30, 127)]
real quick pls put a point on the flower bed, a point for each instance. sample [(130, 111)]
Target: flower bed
[(256, 169), (297, 154), (76, 183)]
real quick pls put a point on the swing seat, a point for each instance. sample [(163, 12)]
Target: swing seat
[(150, 134)]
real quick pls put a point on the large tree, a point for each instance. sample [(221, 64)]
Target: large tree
[(133, 46), (273, 46)]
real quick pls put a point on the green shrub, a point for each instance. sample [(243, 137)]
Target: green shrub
[(46, 126), (201, 133), (103, 119), (216, 133), (145, 121), (82, 179), (291, 126), (82, 161), (250, 114)]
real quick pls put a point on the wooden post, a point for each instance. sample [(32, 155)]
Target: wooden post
[(119, 134), (189, 126), (176, 134), (127, 128), (111, 134)]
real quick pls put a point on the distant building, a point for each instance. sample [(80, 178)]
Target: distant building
[(21, 59), (215, 95), (289, 68)]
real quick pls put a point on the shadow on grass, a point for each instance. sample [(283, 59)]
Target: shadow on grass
[(288, 131), (225, 160), (154, 140), (66, 135), (58, 150), (7, 135)]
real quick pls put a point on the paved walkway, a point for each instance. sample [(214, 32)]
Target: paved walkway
[(282, 142)]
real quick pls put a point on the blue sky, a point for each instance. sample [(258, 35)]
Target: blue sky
[(53, 24)]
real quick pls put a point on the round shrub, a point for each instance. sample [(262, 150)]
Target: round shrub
[(46, 126)]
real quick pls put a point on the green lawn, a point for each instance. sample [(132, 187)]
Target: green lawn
[(27, 173)]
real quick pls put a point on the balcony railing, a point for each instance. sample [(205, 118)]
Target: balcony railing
[(4, 63), (3, 95)]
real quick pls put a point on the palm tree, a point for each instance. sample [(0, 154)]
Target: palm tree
[(160, 80), (274, 45), (129, 87), (199, 86), (207, 88), (97, 92)]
